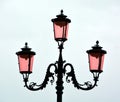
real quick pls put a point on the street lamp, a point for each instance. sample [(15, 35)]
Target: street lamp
[(95, 57)]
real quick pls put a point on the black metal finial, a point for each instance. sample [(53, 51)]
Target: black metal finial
[(26, 45), (62, 12), (97, 42), (96, 46)]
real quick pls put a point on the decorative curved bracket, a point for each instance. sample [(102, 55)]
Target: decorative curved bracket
[(71, 77), (34, 87)]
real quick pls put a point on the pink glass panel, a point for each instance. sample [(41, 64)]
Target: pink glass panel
[(61, 30), (24, 61), (96, 61)]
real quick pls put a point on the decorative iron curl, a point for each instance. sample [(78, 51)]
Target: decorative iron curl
[(71, 77), (34, 87)]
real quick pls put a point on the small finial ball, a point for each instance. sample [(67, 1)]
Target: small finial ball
[(61, 11), (97, 42), (26, 43)]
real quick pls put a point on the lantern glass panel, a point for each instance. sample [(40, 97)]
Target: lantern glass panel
[(25, 63), (60, 30), (96, 61)]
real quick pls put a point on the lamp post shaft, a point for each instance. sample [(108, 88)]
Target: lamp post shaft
[(60, 71)]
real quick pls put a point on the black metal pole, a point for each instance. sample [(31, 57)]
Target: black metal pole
[(60, 71)]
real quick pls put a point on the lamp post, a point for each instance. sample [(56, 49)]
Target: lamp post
[(26, 57)]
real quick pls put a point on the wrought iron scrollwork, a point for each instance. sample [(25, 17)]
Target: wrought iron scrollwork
[(34, 87), (71, 77)]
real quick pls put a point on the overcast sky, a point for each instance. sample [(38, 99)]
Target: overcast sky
[(30, 21)]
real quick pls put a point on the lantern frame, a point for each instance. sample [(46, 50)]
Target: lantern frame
[(28, 55), (98, 54), (60, 26)]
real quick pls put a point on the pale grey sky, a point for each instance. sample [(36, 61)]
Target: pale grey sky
[(30, 20)]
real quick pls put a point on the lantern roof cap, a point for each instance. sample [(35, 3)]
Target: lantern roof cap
[(61, 14), (61, 17), (26, 50), (96, 48), (26, 47)]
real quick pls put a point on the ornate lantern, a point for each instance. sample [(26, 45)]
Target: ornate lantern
[(60, 25), (25, 60), (96, 58)]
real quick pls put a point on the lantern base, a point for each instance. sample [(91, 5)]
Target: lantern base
[(25, 72), (100, 71), (60, 39)]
